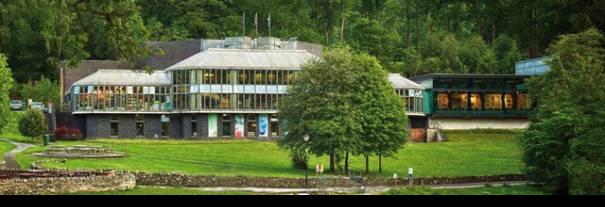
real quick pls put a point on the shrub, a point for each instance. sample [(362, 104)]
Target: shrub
[(32, 124)]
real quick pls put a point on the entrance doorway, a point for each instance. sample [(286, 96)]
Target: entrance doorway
[(251, 125), (227, 125)]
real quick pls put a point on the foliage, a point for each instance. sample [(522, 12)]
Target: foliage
[(7, 82), (43, 90), (33, 123), (319, 104), (564, 145)]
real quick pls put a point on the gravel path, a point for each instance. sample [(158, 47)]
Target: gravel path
[(9, 157)]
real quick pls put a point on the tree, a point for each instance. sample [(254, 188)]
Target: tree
[(564, 146), (318, 104), (43, 90), (33, 124), (7, 82), (382, 116)]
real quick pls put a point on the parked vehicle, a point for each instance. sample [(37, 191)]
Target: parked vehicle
[(16, 104), (37, 105)]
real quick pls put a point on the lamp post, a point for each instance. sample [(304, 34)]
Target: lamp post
[(306, 139)]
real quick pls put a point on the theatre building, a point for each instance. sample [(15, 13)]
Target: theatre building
[(225, 89)]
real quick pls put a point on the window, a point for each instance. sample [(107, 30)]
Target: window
[(274, 125), (442, 100), (114, 125), (508, 101), (458, 100), (493, 101), (475, 101), (140, 125), (194, 126), (523, 101), (165, 126)]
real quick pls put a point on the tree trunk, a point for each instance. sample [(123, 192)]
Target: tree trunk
[(380, 163), (331, 162), (367, 164), (347, 163)]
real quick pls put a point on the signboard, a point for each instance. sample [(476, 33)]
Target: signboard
[(212, 128), (239, 125), (204, 88), (227, 89), (76, 89), (263, 125), (216, 88), (145, 90), (194, 88), (151, 90), (282, 89), (129, 89)]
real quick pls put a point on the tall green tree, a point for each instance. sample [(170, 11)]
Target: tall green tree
[(382, 116), (319, 104), (564, 146), (7, 81)]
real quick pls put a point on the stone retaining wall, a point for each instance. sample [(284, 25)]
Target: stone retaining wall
[(182, 180), (50, 185)]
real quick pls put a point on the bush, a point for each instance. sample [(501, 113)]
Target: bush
[(68, 133), (33, 124)]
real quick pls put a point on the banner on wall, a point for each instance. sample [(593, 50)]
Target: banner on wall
[(212, 128), (239, 125), (263, 125)]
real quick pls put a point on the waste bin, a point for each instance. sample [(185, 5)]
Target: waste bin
[(46, 139)]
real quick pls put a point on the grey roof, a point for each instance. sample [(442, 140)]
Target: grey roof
[(215, 58), (125, 77), (399, 81)]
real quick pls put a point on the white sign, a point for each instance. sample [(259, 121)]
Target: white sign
[(410, 171), (204, 88), (395, 175), (77, 90), (145, 90), (215, 88), (151, 90), (194, 88), (129, 89)]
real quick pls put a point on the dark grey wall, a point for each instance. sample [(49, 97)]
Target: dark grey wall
[(187, 125), (126, 126), (152, 126), (97, 126), (176, 126), (202, 125)]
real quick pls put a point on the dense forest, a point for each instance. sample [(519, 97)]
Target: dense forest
[(408, 36)]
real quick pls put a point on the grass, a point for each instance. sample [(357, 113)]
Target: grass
[(148, 190), (5, 147), (12, 129), (501, 190), (465, 154)]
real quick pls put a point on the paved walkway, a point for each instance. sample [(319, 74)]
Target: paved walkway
[(365, 190), (9, 157)]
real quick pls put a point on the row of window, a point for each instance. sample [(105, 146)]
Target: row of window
[(205, 101), (459, 100), (114, 126), (217, 76), (122, 102)]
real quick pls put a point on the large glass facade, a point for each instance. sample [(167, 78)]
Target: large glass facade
[(412, 99), (191, 90), (121, 98), (221, 90), (480, 96)]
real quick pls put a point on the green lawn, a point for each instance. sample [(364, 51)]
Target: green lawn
[(501, 190), (12, 129), (5, 147), (145, 190), (467, 153)]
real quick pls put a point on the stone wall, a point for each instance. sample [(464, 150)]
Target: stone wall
[(59, 185), (182, 180)]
